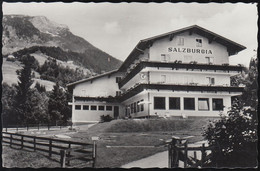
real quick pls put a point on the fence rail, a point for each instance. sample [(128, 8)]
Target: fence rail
[(178, 151), (67, 150), (33, 126)]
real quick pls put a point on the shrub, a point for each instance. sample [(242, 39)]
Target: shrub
[(106, 118), (235, 139)]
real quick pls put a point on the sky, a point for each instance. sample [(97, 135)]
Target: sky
[(116, 28)]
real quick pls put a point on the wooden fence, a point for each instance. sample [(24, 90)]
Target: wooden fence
[(67, 150), (33, 126), (178, 151)]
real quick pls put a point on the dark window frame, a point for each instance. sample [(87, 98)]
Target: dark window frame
[(118, 79), (101, 107), (77, 107), (160, 101), (192, 107), (109, 108), (178, 105), (93, 107), (214, 107), (85, 107)]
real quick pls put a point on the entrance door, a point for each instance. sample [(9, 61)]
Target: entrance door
[(116, 112)]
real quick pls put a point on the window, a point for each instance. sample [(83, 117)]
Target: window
[(159, 102), (217, 104), (108, 108), (180, 41), (132, 108), (77, 107), (85, 107), (189, 103), (118, 79), (135, 107), (209, 60), (203, 104), (93, 107), (174, 103), (164, 57), (199, 42), (118, 93), (211, 80), (163, 78), (142, 105), (101, 107), (138, 106)]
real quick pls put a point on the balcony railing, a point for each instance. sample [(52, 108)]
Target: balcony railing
[(203, 88), (187, 66)]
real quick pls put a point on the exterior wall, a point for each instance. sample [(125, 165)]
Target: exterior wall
[(180, 76), (92, 115), (141, 96), (187, 77), (226, 102), (219, 52), (101, 87)]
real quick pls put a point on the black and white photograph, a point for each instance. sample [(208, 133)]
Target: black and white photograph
[(129, 85)]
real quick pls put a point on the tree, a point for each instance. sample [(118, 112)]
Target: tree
[(58, 105), (39, 87), (39, 107), (22, 105), (235, 136), (8, 94)]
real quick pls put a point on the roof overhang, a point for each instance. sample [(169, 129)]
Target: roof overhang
[(232, 47), (71, 85)]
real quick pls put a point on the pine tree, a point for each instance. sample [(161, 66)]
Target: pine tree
[(58, 105), (22, 105)]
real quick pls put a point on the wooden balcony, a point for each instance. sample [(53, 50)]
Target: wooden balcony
[(187, 66)]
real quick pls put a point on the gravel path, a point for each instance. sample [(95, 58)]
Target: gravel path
[(160, 160)]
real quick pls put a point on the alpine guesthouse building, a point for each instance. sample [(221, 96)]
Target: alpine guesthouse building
[(182, 73)]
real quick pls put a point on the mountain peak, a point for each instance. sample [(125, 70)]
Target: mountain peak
[(44, 25)]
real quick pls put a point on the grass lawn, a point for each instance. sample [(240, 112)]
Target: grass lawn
[(115, 157)]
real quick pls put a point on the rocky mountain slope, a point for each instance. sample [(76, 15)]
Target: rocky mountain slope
[(20, 32)]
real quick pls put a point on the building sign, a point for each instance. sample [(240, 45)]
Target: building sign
[(189, 50)]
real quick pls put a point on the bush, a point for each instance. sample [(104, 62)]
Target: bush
[(235, 138), (106, 118)]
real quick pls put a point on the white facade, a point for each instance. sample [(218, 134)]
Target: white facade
[(182, 73)]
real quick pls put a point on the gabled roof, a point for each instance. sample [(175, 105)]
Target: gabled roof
[(232, 46), (91, 78)]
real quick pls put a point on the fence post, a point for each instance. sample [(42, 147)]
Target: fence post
[(34, 144), (68, 161), (169, 155), (203, 154), (6, 128), (62, 158), (50, 147), (94, 154), (174, 153), (11, 140), (48, 126), (185, 153), (21, 141)]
